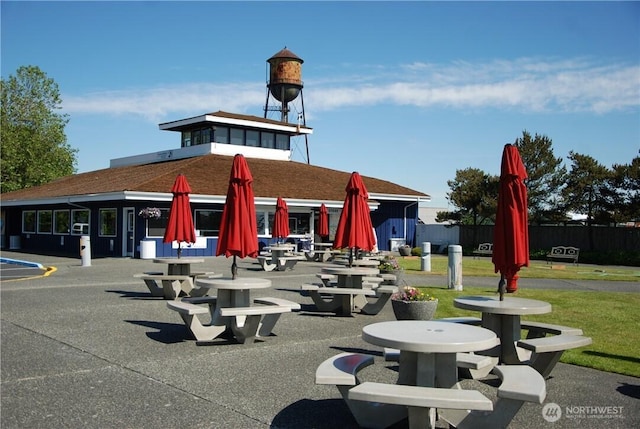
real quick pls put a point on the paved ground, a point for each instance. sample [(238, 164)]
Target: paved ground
[(88, 347)]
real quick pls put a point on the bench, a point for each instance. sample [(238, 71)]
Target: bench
[(172, 285), (287, 262), (421, 401), (245, 321), (484, 249), (469, 365), (341, 299), (342, 370), (467, 320), (546, 351), (269, 320), (189, 313), (563, 253), (152, 284), (539, 329), (318, 255), (265, 263), (388, 279), (519, 384), (327, 279), (373, 282)]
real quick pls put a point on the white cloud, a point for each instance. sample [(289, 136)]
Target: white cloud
[(525, 84)]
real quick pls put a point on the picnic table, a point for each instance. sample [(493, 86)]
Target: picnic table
[(178, 266), (503, 318), (232, 309)]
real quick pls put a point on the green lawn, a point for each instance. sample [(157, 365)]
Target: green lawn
[(612, 320)]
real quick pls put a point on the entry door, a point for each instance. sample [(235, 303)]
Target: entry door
[(129, 227)]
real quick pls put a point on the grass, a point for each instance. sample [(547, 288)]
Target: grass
[(612, 320), (483, 267)]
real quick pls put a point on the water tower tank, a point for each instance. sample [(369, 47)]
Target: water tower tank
[(285, 76)]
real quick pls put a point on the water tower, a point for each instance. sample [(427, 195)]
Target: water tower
[(285, 83)]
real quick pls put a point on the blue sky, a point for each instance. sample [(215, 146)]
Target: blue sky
[(408, 92)]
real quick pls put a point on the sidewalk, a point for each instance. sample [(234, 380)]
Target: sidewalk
[(87, 347)]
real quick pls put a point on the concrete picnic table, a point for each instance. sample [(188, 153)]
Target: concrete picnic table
[(428, 348), (178, 266), (503, 318), (350, 277)]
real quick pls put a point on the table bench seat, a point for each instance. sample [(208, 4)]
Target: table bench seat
[(288, 262), (547, 351), (421, 401), (519, 384), (188, 312), (342, 370), (265, 263), (172, 285), (539, 329)]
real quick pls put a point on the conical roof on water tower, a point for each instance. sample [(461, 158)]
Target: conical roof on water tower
[(285, 75)]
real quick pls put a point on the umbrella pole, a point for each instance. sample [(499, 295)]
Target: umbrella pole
[(350, 257), (179, 249), (501, 286), (234, 268)]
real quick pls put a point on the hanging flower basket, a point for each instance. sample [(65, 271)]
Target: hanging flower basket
[(150, 213)]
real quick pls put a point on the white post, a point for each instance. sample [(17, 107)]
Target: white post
[(85, 250), (454, 270), (425, 261)]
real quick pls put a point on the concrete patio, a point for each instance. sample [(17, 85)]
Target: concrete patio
[(89, 347)]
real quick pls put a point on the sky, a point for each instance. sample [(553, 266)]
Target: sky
[(408, 92)]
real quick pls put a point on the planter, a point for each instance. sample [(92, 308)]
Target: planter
[(404, 250), (414, 310)]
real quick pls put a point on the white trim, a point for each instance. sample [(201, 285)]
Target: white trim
[(292, 129)]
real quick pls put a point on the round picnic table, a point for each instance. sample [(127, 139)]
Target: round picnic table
[(503, 318)]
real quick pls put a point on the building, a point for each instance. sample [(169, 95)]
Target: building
[(104, 205)]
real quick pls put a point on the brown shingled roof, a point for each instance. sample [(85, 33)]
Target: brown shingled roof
[(209, 175)]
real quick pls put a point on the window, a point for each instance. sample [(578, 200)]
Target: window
[(268, 140), (206, 136), (196, 137), (186, 138), (208, 222), (282, 141), (79, 222), (237, 136), (253, 138), (44, 221), (221, 135), (107, 219), (299, 223), (29, 221), (61, 222), (157, 226)]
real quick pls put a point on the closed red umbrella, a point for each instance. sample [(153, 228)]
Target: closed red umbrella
[(238, 229), (180, 225), (323, 222), (354, 227), (281, 220), (511, 232)]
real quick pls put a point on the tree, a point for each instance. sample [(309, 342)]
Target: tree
[(588, 190), (475, 194), (545, 178), (34, 145), (626, 182)]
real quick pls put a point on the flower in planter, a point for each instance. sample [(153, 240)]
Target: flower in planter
[(150, 213), (410, 293), (389, 263)]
